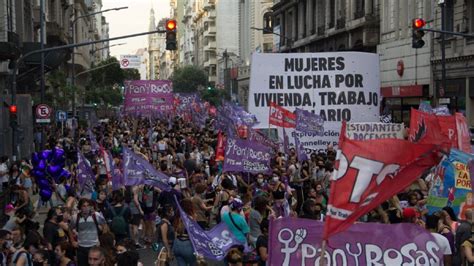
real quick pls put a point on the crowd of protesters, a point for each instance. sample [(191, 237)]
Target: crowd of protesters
[(109, 227)]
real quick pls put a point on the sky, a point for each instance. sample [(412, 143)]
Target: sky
[(135, 19)]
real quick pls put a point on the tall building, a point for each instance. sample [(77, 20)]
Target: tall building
[(186, 38), (405, 72), (459, 91), (255, 36), (153, 49), (143, 53)]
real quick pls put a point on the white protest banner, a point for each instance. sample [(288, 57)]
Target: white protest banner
[(365, 131), (130, 61), (337, 86)]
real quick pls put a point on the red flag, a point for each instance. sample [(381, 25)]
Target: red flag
[(370, 172), (426, 129), (220, 149), (448, 127), (463, 134), (281, 117)]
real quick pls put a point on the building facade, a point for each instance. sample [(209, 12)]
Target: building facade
[(405, 72), (459, 91), (153, 70)]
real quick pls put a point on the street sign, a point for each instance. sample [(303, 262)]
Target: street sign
[(130, 61), (43, 113), (61, 116)]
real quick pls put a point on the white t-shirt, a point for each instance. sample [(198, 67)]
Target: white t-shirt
[(443, 244), (4, 169)]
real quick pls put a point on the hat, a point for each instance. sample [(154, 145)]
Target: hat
[(410, 213), (9, 207), (172, 181)]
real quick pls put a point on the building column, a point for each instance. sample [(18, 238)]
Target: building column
[(328, 12), (301, 20), (368, 6), (309, 17)]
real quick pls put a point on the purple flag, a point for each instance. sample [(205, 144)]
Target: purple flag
[(138, 171), (85, 176), (308, 122), (94, 145), (257, 136), (148, 97), (246, 156), (212, 244), (294, 241), (300, 151)]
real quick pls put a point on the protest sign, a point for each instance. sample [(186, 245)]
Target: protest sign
[(147, 97), (308, 122), (246, 156), (296, 241), (336, 86), (281, 117), (365, 131), (452, 184), (369, 172)]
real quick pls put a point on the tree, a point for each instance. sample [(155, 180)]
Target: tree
[(189, 79), (58, 93), (104, 85), (214, 96)]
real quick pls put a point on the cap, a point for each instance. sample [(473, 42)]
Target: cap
[(9, 207), (410, 213), (172, 181)]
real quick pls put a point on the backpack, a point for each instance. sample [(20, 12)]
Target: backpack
[(85, 219), (119, 226)]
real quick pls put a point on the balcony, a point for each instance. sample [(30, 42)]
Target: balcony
[(210, 47), (210, 61), (56, 33), (359, 14), (321, 31), (209, 4), (210, 31), (341, 23)]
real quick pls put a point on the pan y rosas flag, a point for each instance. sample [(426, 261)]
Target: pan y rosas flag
[(246, 156), (294, 241), (139, 171), (452, 184), (212, 244), (370, 172), (85, 176), (281, 117), (308, 122)]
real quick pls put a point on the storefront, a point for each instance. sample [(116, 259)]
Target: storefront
[(398, 101)]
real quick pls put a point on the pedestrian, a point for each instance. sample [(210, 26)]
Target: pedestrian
[(165, 235), (96, 257), (88, 225), (183, 249), (432, 225), (236, 222), (120, 216), (63, 252), (262, 243)]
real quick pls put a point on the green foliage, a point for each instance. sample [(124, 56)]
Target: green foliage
[(105, 83), (189, 79), (58, 93), (214, 96)]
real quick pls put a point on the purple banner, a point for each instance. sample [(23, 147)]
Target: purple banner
[(94, 145), (286, 142), (137, 171), (300, 151), (296, 241), (85, 176), (308, 122), (212, 244), (246, 156), (146, 97), (257, 136)]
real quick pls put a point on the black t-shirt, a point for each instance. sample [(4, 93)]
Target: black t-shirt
[(53, 233), (262, 241)]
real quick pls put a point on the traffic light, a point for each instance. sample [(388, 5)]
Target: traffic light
[(13, 118), (417, 32), (171, 42)]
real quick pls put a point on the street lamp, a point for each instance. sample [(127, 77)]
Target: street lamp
[(105, 47), (73, 35)]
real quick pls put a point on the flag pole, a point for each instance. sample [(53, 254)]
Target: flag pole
[(269, 114), (322, 258)]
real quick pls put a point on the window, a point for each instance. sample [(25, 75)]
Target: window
[(332, 18), (449, 15), (471, 16), (267, 22), (359, 9)]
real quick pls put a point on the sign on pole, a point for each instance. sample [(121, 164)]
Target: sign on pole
[(61, 116), (130, 61), (336, 86), (43, 113)]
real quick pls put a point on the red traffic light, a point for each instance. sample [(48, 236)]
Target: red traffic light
[(171, 25), (12, 109), (418, 23)]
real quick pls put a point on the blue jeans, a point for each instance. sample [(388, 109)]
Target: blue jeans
[(184, 253)]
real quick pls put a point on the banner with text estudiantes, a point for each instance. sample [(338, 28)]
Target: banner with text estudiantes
[(337, 86), (148, 97)]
